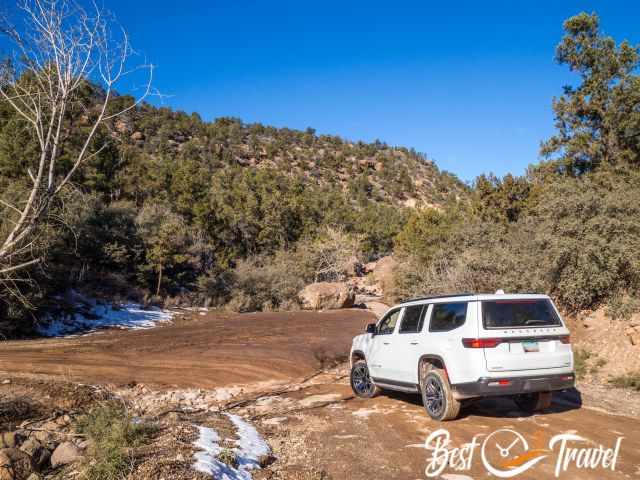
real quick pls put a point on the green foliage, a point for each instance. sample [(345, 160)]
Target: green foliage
[(622, 307), (501, 199), (598, 121), (578, 243), (228, 457), (425, 233), (113, 433)]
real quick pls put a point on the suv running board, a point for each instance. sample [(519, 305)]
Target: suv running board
[(394, 385)]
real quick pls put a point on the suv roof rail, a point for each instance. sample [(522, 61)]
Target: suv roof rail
[(431, 297)]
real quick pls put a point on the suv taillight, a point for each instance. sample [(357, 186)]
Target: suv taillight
[(481, 342), (566, 339)]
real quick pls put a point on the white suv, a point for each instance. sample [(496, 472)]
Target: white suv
[(458, 347)]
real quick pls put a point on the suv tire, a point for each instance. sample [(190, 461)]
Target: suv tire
[(437, 396), (533, 402), (361, 382)]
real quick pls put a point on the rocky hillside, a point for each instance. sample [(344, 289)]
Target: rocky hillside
[(396, 175)]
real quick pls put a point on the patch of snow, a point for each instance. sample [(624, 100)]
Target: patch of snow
[(250, 447), (99, 315)]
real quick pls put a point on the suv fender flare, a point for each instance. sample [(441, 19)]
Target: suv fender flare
[(430, 357), (357, 354)]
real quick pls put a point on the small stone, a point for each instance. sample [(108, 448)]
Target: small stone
[(64, 454), (84, 444), (173, 417), (62, 421), (179, 458), (6, 381)]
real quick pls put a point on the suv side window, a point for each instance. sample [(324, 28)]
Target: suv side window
[(388, 323), (413, 319), (447, 316)]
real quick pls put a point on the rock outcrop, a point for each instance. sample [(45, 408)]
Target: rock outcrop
[(65, 454), (327, 296)]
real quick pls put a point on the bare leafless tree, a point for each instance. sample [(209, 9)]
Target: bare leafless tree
[(59, 49)]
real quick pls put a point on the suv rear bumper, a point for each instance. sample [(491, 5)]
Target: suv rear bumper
[(486, 387)]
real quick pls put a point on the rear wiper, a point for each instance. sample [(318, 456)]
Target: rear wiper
[(530, 322)]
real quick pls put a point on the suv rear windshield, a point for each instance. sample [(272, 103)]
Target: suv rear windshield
[(519, 313)]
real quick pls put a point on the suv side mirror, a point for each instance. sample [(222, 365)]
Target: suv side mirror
[(371, 328)]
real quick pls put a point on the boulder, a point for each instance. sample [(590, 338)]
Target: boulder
[(327, 296), (64, 454), (378, 308), (384, 275), (633, 332), (14, 464)]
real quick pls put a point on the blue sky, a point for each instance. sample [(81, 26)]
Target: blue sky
[(469, 83)]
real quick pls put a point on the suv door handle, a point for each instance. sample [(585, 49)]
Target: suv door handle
[(386, 343), (413, 343)]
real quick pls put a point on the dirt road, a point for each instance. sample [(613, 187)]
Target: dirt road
[(317, 429), (323, 428), (204, 351)]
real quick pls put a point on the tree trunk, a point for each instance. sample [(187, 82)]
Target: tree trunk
[(159, 280)]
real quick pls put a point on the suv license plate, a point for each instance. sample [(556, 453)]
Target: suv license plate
[(530, 347)]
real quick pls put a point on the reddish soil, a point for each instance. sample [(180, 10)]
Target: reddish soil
[(345, 437), (206, 351)]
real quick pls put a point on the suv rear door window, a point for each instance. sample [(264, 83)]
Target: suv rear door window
[(388, 323), (447, 316), (412, 319), (519, 313)]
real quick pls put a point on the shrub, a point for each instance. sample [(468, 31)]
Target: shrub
[(331, 256), (228, 457), (580, 359), (628, 380), (113, 433), (578, 242), (425, 233), (266, 283), (622, 307)]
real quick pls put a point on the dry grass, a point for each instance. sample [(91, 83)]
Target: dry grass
[(628, 380)]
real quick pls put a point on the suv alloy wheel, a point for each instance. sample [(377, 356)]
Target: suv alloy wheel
[(361, 382), (437, 396)]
